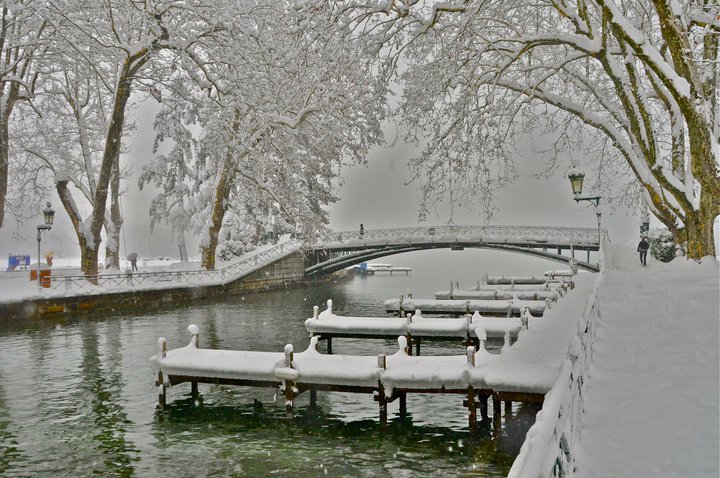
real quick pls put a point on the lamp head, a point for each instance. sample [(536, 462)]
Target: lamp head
[(576, 182), (49, 214)]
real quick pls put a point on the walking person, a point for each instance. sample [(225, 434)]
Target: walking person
[(132, 257), (642, 248), (362, 231)]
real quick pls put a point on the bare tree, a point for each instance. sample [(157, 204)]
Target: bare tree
[(630, 82)]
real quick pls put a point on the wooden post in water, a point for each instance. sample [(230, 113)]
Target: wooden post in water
[(313, 397), (195, 342), (470, 402), (496, 415), (289, 384), (403, 405), (329, 344), (380, 397), (160, 382), (471, 405), (508, 408), (483, 399)]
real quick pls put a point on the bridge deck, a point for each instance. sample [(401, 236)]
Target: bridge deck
[(344, 249)]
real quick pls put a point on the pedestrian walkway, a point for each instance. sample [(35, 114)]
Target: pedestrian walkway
[(652, 400)]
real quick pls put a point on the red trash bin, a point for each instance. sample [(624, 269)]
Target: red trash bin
[(45, 275)]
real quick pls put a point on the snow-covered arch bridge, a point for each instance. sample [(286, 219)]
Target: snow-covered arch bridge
[(343, 249)]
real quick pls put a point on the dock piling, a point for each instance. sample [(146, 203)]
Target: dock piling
[(497, 415), (162, 343), (472, 407)]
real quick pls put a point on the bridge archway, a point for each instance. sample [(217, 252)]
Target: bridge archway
[(349, 259), (344, 249)]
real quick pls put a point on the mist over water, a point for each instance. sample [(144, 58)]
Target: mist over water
[(77, 395)]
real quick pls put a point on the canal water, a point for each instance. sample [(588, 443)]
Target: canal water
[(77, 396)]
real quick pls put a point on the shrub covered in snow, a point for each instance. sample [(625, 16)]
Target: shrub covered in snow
[(662, 245), (229, 250)]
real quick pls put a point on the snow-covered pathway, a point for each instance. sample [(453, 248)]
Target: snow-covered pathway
[(652, 400)]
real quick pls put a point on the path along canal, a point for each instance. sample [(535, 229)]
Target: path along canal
[(77, 396)]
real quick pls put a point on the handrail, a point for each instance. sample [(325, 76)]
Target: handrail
[(215, 276), (503, 233), (548, 450)]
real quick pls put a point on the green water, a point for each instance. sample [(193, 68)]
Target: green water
[(77, 398)]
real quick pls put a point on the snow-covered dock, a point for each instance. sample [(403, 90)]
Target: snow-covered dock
[(515, 279), (371, 269), (524, 371), (495, 308), (416, 328), (496, 295)]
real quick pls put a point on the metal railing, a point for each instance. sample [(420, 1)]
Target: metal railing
[(509, 234), (174, 278)]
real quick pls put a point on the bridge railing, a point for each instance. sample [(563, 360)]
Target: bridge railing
[(175, 278), (510, 234)]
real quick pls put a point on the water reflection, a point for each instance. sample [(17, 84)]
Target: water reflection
[(9, 445), (103, 386), (316, 443)]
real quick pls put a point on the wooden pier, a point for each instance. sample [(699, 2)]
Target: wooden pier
[(491, 308), (522, 372), (388, 378), (415, 327)]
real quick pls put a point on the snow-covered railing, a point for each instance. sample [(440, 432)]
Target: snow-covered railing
[(502, 234), (169, 278), (550, 443)]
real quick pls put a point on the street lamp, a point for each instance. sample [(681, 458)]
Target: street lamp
[(576, 182), (49, 215)]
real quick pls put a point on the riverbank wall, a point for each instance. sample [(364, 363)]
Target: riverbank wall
[(284, 273)]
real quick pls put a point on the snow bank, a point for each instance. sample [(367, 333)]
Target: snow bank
[(549, 444)]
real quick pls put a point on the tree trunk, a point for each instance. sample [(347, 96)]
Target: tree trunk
[(222, 193), (111, 155), (4, 165), (112, 246), (88, 255), (698, 231), (182, 247)]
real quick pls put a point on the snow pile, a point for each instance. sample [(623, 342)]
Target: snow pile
[(653, 396), (639, 392)]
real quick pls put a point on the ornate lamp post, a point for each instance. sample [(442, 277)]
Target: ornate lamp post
[(576, 182), (49, 215)]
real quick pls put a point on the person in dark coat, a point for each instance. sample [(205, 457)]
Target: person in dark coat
[(642, 248), (362, 230), (132, 257)]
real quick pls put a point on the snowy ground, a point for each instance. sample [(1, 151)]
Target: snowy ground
[(16, 285), (652, 401)]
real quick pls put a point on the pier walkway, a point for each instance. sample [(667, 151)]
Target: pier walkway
[(523, 372), (415, 328)]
